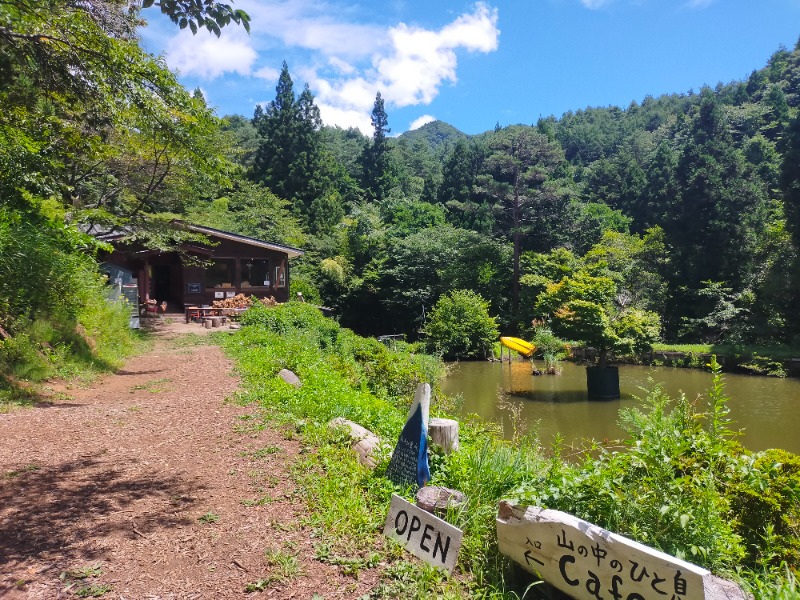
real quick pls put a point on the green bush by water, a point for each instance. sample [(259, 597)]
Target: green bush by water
[(684, 485)]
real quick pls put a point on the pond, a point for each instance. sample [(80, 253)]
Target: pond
[(767, 409)]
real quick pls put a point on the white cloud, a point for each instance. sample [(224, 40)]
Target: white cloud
[(208, 56), (267, 73), (341, 66), (419, 122), (344, 117), (414, 64), (595, 4), (344, 60), (314, 25), (699, 4), (421, 60)]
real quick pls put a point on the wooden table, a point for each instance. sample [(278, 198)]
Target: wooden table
[(198, 312)]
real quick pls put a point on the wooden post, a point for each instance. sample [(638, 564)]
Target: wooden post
[(444, 433)]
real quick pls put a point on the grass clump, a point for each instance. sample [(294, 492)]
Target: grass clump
[(81, 582), (208, 518)]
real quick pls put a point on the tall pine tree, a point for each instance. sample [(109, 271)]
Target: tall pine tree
[(519, 182), (289, 159), (377, 169)]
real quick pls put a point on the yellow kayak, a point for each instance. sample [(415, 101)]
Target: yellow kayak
[(519, 345)]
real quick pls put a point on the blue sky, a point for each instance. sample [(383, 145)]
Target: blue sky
[(474, 64)]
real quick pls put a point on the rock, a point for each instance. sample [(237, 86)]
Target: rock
[(437, 499), (364, 442), (290, 378)]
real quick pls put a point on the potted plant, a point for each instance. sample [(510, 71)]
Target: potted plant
[(551, 347), (588, 308)]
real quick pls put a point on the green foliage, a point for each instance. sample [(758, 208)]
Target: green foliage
[(92, 123), (290, 159), (55, 310), (460, 326), (762, 365), (520, 180), (201, 13), (377, 169), (586, 307), (684, 486), (765, 496), (253, 210), (290, 316), (551, 348), (422, 267), (363, 363), (341, 375)]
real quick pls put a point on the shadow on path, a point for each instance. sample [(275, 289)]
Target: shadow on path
[(52, 508)]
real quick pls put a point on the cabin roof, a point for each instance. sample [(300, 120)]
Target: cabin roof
[(218, 233), (235, 237)]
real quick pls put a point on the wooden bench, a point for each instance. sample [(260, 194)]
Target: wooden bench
[(199, 313)]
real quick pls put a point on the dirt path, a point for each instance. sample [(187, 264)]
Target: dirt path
[(150, 485)]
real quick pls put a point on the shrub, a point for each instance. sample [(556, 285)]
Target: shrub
[(54, 307), (685, 486), (460, 326), (292, 315), (765, 496), (551, 347), (587, 308), (365, 363)]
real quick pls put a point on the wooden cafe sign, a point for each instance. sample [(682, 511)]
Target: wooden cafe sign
[(590, 563)]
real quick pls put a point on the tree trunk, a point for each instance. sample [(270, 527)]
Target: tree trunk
[(602, 357), (444, 433), (436, 500)]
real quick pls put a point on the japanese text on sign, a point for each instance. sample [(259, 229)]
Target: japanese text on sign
[(590, 563)]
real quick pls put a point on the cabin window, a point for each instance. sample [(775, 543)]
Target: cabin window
[(255, 272), (221, 273)]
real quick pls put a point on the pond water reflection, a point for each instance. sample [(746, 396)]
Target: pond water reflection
[(766, 408)]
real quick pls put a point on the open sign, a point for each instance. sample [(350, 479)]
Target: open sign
[(424, 535)]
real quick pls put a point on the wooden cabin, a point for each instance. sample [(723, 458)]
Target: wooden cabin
[(197, 274)]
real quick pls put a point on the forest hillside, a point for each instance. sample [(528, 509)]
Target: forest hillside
[(685, 207)]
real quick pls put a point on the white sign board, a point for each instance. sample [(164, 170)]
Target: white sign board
[(588, 562), (424, 535)]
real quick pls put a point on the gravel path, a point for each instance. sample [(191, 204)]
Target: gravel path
[(150, 484)]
